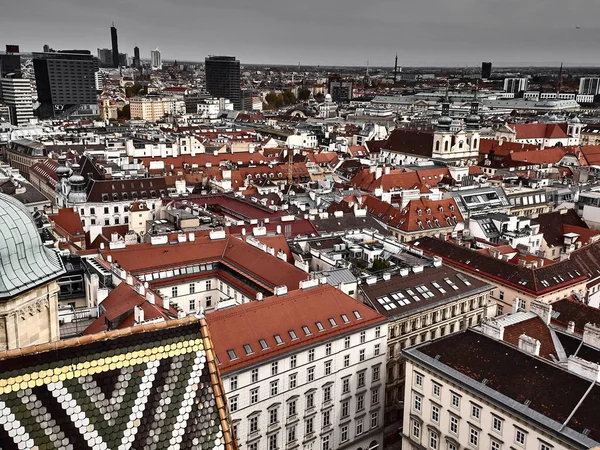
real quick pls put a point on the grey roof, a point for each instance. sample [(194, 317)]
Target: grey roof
[(24, 262), (336, 277)]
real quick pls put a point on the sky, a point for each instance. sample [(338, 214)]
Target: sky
[(326, 32)]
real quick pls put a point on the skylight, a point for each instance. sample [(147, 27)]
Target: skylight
[(306, 330), (232, 355), (263, 344), (357, 314), (293, 334), (464, 279), (248, 349), (345, 318), (319, 326), (278, 339), (438, 287), (332, 322)]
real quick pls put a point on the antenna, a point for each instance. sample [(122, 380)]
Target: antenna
[(396, 69)]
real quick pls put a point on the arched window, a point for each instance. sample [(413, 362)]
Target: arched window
[(446, 146), (474, 144), (437, 146)]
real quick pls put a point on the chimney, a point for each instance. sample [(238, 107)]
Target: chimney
[(529, 345), (515, 306), (543, 310), (387, 276), (386, 171), (371, 280), (591, 335), (129, 279), (280, 290), (150, 297), (493, 329), (259, 296), (191, 237), (165, 302), (138, 314), (378, 173), (571, 327)]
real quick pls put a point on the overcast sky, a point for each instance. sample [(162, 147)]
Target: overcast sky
[(328, 32)]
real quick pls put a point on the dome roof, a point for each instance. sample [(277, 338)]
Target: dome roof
[(24, 261), (575, 120), (445, 121)]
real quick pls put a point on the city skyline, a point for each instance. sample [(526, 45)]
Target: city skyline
[(349, 33)]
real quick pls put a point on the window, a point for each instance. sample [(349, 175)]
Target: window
[(475, 412), (310, 400), (347, 342), (174, 291), (293, 380), (501, 296), (357, 315), (374, 419), (375, 374), (363, 337), (433, 440), (494, 445), (192, 304), (451, 446), (327, 367), (274, 387), (360, 402), (320, 326), (253, 396), (208, 301), (293, 335), (292, 408), (544, 446), (361, 379), (308, 426), (232, 355), (310, 374), (254, 375), (374, 396), (291, 434), (273, 413), (455, 401), (345, 408), (293, 362), (328, 349), (332, 322), (326, 418), (253, 424), (345, 385), (522, 304), (325, 442), (497, 424), (454, 425), (273, 442), (208, 285), (435, 413), (359, 427), (418, 400), (306, 330), (248, 350), (418, 379), (416, 429), (520, 437), (233, 383), (311, 355), (377, 332), (233, 403), (474, 437), (344, 433), (278, 339), (361, 355), (106, 208), (346, 360), (274, 368)]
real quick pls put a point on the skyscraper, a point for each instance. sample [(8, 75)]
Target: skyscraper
[(136, 57), (16, 94), (10, 62), (223, 78), (64, 79), (486, 70), (156, 59), (105, 57), (115, 46)]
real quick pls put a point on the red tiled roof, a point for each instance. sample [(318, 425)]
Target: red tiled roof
[(505, 148), (67, 223), (540, 130), (277, 316), (535, 328), (568, 309)]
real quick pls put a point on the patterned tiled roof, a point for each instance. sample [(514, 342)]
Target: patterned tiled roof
[(151, 386)]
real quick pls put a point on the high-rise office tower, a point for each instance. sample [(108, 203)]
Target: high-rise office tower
[(156, 60), (115, 46), (16, 94), (136, 57), (515, 85), (105, 57), (46, 48), (223, 79), (589, 86), (486, 70), (10, 61), (64, 79)]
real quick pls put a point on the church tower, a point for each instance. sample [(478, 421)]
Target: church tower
[(472, 127), (442, 138)]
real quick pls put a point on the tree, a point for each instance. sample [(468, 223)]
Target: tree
[(124, 114), (303, 94), (379, 265)]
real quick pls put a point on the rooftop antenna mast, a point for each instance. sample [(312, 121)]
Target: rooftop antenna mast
[(396, 69)]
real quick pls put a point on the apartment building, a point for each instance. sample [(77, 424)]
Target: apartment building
[(470, 391), (422, 304), (303, 370)]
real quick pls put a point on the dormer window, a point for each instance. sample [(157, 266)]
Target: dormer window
[(441, 208), (104, 197), (451, 207), (428, 210), (419, 211)]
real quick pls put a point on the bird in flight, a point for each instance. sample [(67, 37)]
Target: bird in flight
[(578, 28)]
